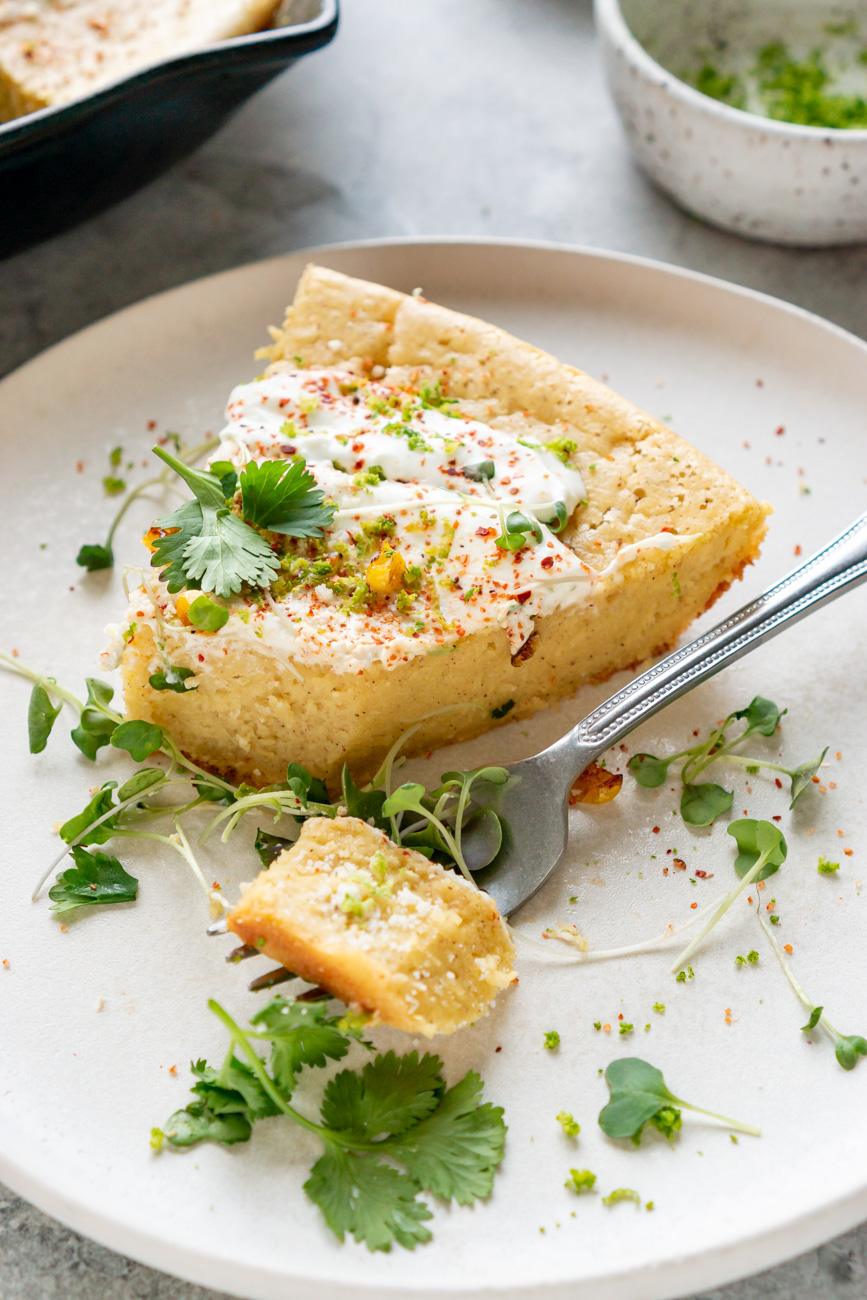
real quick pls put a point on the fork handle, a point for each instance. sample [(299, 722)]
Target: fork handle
[(828, 574)]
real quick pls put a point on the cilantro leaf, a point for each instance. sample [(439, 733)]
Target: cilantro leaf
[(101, 802), (390, 1095), (207, 545), (455, 1152), (283, 497), (196, 1123), (300, 1034), (362, 1196), (172, 678), (235, 1076), (269, 847), (41, 717), (94, 557), (95, 878)]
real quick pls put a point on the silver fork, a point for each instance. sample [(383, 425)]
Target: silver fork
[(533, 807)]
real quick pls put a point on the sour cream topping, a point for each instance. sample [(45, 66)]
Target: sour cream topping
[(395, 465)]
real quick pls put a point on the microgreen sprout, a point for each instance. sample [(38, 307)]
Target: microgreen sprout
[(639, 1096), (703, 801), (761, 851), (580, 1180), (568, 1123), (848, 1048)]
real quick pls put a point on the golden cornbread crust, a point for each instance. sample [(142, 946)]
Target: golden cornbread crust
[(251, 715), (51, 53), (415, 945)]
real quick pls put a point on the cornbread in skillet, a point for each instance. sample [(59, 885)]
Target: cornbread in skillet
[(380, 927), (52, 51), (400, 408)]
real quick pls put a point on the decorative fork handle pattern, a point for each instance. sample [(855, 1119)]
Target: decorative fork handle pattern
[(828, 574)]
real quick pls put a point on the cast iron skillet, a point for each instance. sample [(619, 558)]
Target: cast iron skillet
[(61, 165)]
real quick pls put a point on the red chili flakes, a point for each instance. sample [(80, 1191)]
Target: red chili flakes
[(620, 1017), (79, 465), (760, 383), (760, 884), (548, 562), (797, 550), (522, 598), (5, 963), (173, 1069), (749, 898), (201, 659), (841, 833), (679, 864), (63, 929), (693, 904), (656, 830), (14, 654), (665, 871), (848, 852), (839, 754), (702, 875), (815, 780), (788, 947), (486, 532), (498, 1049), (778, 783), (152, 424), (776, 818), (780, 431)]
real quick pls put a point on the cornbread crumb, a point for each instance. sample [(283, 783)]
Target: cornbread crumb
[(380, 927)]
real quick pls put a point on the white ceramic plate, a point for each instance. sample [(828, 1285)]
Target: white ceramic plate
[(80, 1087)]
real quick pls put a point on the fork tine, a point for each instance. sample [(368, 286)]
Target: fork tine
[(218, 927), (277, 976), (242, 953)]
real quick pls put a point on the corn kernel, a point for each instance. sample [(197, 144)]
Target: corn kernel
[(384, 574), (182, 607)]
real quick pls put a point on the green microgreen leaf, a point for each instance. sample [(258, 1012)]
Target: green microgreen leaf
[(480, 472), (639, 1096), (206, 615), (802, 776), (269, 847), (701, 804), (139, 739), (77, 826), (145, 779), (815, 1017), (41, 717), (580, 1180), (367, 805), (172, 678), (649, 770), (761, 715), (848, 1050), (95, 879), (754, 839), (283, 497), (518, 530)]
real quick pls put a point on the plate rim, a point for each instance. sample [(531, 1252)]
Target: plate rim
[(676, 1276)]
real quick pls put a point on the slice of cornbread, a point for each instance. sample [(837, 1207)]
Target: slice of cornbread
[(380, 927), (325, 668), (52, 51)]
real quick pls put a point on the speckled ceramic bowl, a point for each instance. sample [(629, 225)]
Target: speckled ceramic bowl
[(764, 179)]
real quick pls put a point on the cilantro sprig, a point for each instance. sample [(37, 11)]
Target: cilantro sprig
[(702, 802), (391, 1131), (208, 546), (639, 1096)]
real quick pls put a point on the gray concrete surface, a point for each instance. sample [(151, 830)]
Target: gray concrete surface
[(442, 117)]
